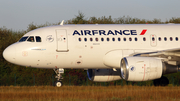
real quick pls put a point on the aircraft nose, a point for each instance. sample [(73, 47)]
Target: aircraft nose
[(10, 54)]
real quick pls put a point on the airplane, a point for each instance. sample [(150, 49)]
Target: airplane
[(109, 52)]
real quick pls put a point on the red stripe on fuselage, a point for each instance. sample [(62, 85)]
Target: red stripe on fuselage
[(143, 32)]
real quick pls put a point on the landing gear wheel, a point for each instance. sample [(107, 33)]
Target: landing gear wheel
[(163, 81), (59, 73), (58, 84), (156, 82)]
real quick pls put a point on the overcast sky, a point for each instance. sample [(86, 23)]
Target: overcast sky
[(18, 14)]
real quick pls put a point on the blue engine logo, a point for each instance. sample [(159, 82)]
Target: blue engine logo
[(132, 68)]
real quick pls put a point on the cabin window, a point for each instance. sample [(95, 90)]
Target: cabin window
[(159, 38), (102, 39), (124, 39), (153, 39), (107, 39), (79, 39), (119, 39), (96, 39), (130, 39), (31, 39), (113, 39), (38, 39), (91, 39), (165, 39), (135, 39), (85, 39), (144, 39), (23, 39), (171, 38), (176, 38)]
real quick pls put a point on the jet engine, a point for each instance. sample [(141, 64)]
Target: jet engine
[(144, 68), (103, 75)]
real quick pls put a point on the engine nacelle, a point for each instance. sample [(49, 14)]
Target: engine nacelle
[(103, 75), (141, 68)]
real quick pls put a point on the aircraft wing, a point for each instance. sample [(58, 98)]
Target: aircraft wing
[(170, 56)]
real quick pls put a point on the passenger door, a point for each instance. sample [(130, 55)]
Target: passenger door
[(62, 40)]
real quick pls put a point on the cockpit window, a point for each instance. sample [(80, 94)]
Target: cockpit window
[(31, 39), (23, 39), (38, 39)]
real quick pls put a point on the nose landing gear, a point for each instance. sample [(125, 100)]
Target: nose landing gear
[(59, 72)]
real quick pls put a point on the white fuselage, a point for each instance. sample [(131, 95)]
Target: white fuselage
[(70, 46)]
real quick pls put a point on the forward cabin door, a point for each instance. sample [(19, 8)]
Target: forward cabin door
[(62, 40)]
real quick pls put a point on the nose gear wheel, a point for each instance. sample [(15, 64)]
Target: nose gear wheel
[(59, 72)]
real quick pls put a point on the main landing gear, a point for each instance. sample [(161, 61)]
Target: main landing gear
[(59, 72), (163, 81)]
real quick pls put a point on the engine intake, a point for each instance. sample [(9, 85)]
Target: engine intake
[(144, 68), (140, 68)]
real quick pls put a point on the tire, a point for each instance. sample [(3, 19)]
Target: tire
[(156, 82), (163, 81), (58, 84)]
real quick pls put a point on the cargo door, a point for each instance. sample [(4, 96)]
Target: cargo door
[(62, 41)]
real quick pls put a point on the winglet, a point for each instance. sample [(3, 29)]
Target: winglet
[(62, 22)]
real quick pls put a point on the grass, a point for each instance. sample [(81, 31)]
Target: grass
[(89, 93)]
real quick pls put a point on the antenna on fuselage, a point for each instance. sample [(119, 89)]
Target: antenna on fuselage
[(62, 22)]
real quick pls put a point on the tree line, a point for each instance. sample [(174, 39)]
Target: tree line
[(11, 74)]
